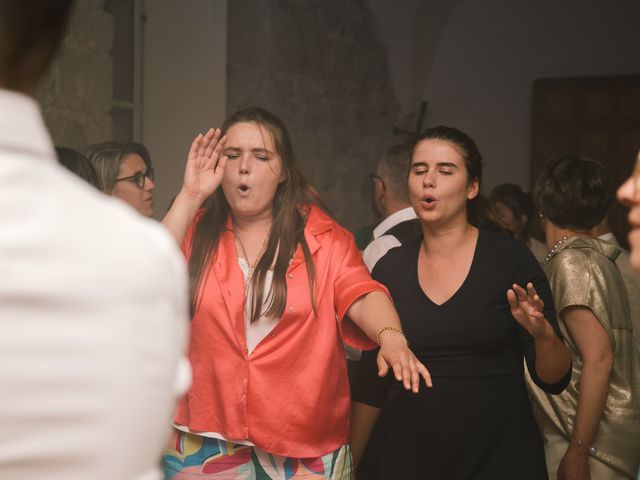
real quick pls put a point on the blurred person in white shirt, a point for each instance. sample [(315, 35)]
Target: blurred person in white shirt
[(93, 297), (399, 221), (391, 198)]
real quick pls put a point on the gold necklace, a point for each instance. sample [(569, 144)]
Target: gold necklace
[(246, 257)]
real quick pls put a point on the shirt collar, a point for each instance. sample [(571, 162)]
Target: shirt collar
[(605, 248), (22, 128), (317, 222), (608, 237), (393, 220)]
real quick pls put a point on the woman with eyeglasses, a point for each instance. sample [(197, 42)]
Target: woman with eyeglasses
[(124, 171), (277, 287)]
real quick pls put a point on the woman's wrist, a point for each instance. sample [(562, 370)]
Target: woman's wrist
[(547, 334), (190, 200), (387, 332), (579, 447)]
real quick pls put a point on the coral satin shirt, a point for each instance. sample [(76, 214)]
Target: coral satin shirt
[(290, 395)]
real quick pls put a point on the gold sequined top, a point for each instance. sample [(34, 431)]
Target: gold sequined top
[(583, 273)]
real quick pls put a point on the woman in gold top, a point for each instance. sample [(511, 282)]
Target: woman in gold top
[(592, 429)]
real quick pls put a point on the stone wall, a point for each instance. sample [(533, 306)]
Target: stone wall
[(320, 66), (76, 92)]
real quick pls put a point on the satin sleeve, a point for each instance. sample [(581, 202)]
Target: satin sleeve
[(369, 388), (352, 281), (578, 282)]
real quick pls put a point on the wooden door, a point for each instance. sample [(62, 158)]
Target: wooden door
[(598, 117)]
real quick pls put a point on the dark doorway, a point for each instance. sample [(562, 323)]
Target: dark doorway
[(598, 117)]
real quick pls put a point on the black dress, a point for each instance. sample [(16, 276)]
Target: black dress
[(476, 421)]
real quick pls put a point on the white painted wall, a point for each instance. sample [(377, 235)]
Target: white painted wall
[(394, 24), (184, 83), (410, 31), (491, 51)]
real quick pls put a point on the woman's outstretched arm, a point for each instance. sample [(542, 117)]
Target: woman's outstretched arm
[(377, 318)]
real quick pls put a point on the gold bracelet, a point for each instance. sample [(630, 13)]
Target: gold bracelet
[(577, 442), (390, 329)]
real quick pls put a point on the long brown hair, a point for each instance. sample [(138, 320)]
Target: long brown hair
[(287, 228)]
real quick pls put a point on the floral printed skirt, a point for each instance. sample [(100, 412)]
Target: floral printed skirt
[(192, 457)]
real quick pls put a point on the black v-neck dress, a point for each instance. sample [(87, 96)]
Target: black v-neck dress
[(476, 421)]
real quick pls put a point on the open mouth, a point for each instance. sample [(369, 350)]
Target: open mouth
[(428, 199), (244, 188)]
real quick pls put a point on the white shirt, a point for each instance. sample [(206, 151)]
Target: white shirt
[(256, 332), (381, 243), (93, 319), (609, 237)]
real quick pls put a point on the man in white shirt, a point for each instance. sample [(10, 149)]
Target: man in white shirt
[(391, 197), (93, 297), (399, 224)]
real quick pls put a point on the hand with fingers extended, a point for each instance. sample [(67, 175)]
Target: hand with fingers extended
[(526, 308), (205, 165), (395, 354)]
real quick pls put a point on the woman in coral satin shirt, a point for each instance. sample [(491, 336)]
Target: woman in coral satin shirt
[(277, 287)]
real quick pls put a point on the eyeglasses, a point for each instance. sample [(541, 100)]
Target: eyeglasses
[(138, 178), (373, 177)]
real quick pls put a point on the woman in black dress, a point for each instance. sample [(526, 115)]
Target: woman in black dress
[(459, 292)]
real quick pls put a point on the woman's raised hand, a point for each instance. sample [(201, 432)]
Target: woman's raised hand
[(202, 177), (205, 165), (526, 308)]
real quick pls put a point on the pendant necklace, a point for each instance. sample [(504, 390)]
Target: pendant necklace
[(246, 257)]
